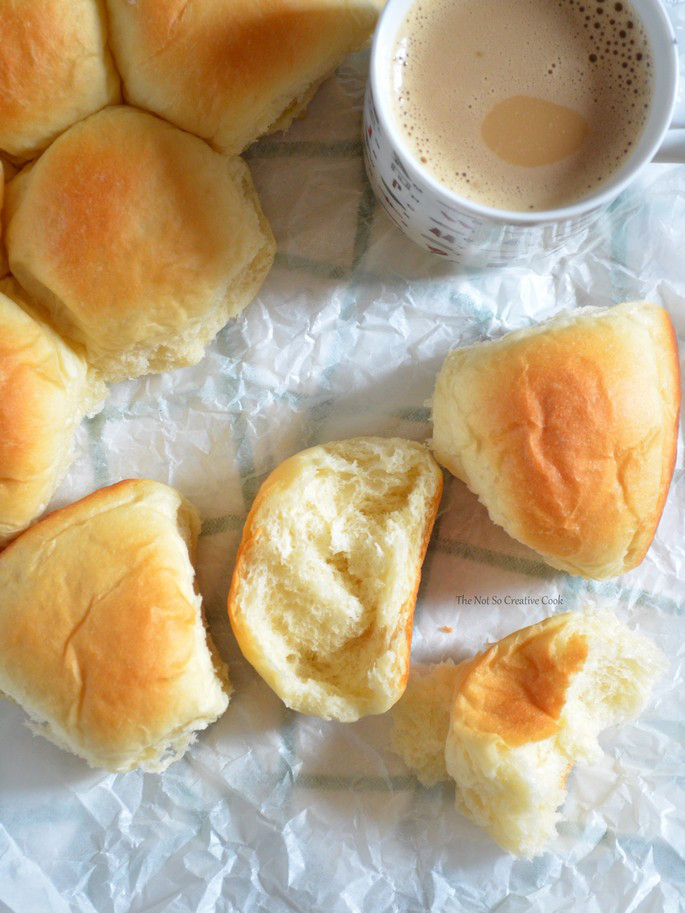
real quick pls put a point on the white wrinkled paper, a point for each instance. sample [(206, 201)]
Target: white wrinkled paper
[(275, 811)]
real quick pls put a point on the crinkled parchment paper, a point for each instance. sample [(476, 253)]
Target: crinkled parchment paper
[(275, 811)]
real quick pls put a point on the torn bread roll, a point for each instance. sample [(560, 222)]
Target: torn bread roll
[(102, 640), (55, 69), (46, 388), (139, 240), (323, 593), (230, 72), (532, 705), (567, 432)]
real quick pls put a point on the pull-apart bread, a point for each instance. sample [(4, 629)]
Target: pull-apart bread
[(46, 387), (231, 70), (138, 239), (55, 69), (322, 597), (102, 640), (567, 432), (515, 719)]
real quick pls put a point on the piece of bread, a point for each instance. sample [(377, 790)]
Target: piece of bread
[(323, 592), (138, 239), (102, 640), (421, 720), (55, 69), (531, 706), (567, 432), (230, 72), (46, 387)]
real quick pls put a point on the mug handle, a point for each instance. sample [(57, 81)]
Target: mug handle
[(673, 147)]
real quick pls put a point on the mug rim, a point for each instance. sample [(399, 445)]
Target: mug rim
[(667, 64)]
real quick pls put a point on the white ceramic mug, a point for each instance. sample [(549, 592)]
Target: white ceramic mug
[(457, 228)]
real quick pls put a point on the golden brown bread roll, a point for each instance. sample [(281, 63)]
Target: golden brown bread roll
[(323, 592), (231, 71), (138, 239), (102, 639), (567, 432), (46, 387), (55, 69)]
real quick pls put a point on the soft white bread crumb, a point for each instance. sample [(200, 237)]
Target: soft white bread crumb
[(102, 639), (421, 720), (567, 432), (531, 706), (323, 592)]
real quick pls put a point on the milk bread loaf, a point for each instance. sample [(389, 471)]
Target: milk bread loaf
[(322, 596), (231, 71), (102, 640), (55, 69), (138, 239), (567, 432), (46, 388)]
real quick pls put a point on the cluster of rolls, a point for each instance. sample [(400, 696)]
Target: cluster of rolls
[(566, 431), (130, 243), (130, 223)]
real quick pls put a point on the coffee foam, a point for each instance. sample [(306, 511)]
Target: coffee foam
[(455, 60)]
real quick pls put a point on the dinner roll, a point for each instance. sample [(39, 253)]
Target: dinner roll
[(138, 239), (102, 640), (231, 71), (46, 387), (323, 592), (55, 69), (567, 432), (530, 707)]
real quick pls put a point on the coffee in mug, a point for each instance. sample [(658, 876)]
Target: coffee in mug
[(521, 104)]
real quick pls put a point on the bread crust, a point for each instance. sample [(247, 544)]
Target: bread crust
[(567, 432), (516, 689), (101, 636)]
